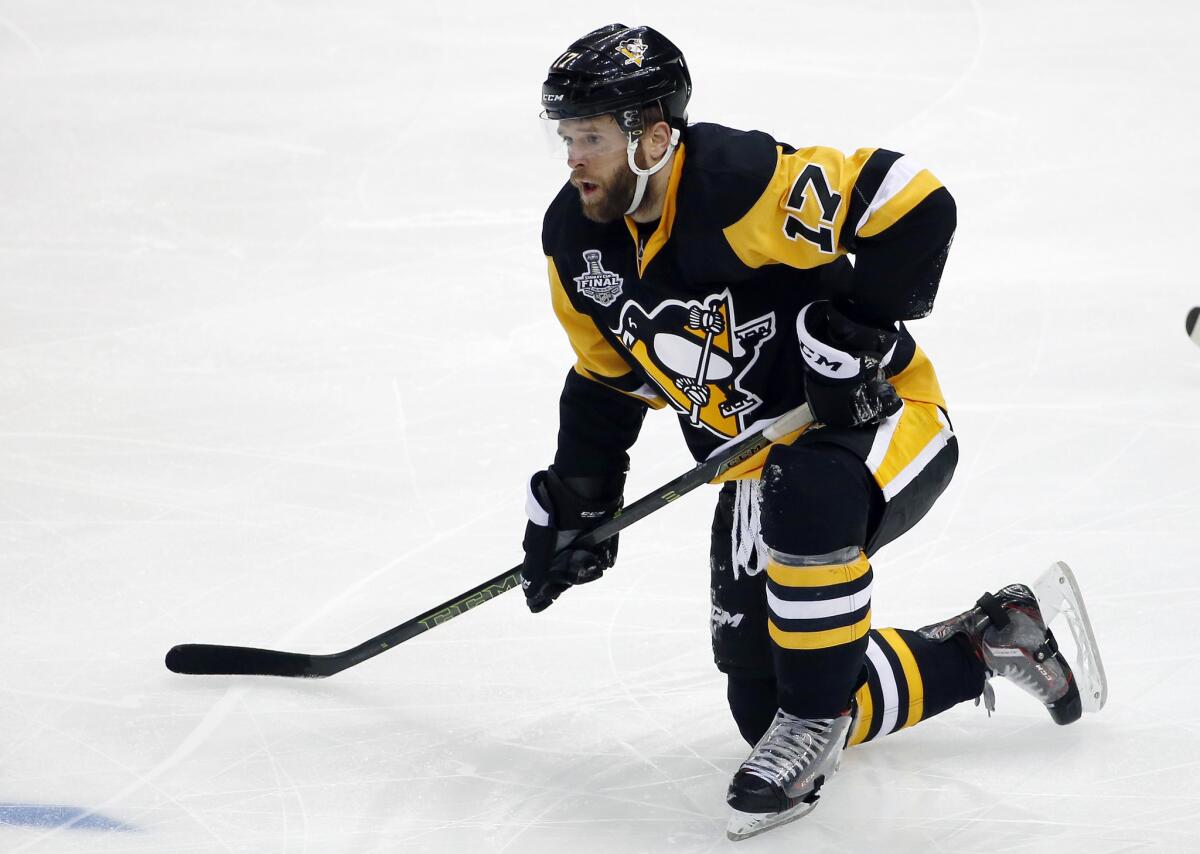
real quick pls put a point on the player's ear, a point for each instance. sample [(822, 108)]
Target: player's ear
[(660, 138)]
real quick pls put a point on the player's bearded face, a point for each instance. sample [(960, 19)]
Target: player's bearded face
[(599, 168), (605, 195)]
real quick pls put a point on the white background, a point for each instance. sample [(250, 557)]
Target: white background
[(276, 356)]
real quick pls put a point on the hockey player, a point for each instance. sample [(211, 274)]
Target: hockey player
[(704, 270)]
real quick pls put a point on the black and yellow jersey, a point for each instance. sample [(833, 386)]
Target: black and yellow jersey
[(752, 230)]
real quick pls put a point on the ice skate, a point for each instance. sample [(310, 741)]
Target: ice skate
[(782, 778), (1008, 632), (1058, 594)]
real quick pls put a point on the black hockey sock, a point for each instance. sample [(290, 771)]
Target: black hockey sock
[(753, 702), (911, 679)]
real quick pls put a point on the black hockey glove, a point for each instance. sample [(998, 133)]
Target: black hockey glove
[(560, 510), (843, 372)]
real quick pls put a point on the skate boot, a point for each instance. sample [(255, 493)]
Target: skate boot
[(782, 778), (1008, 633)]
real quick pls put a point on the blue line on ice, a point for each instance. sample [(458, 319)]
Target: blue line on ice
[(56, 815)]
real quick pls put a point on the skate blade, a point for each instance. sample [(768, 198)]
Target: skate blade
[(743, 825), (1057, 593)]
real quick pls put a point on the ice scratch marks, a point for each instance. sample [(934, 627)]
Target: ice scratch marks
[(449, 219), (402, 439), (23, 38), (284, 783), (920, 118), (127, 702), (146, 779)]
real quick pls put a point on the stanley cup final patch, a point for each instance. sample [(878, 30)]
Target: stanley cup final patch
[(598, 284)]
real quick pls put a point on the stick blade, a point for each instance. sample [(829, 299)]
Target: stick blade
[(203, 659)]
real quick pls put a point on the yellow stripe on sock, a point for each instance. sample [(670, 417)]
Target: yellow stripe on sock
[(820, 640), (818, 576), (912, 675), (865, 711)]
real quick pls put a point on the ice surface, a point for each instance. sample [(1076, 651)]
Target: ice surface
[(276, 356)]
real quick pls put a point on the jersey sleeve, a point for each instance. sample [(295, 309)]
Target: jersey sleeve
[(883, 207), (595, 357), (596, 428), (603, 401)]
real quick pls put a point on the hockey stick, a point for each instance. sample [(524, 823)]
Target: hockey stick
[(211, 659)]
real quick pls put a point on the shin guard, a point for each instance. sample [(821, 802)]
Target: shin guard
[(819, 613)]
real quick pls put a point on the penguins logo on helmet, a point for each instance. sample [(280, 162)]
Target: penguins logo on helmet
[(634, 51)]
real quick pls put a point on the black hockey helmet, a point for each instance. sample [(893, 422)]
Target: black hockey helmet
[(619, 70)]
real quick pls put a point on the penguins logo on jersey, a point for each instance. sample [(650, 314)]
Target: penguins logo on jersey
[(634, 51), (698, 354), (598, 284)]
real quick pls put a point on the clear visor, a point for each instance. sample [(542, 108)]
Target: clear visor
[(584, 139)]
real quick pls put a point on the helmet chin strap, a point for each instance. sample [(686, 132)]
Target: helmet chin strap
[(643, 175)]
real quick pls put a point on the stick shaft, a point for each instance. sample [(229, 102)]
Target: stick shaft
[(212, 659)]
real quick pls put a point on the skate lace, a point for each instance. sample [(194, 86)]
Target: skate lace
[(788, 748)]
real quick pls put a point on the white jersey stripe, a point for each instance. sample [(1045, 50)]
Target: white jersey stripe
[(887, 683), (897, 178), (883, 439)]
